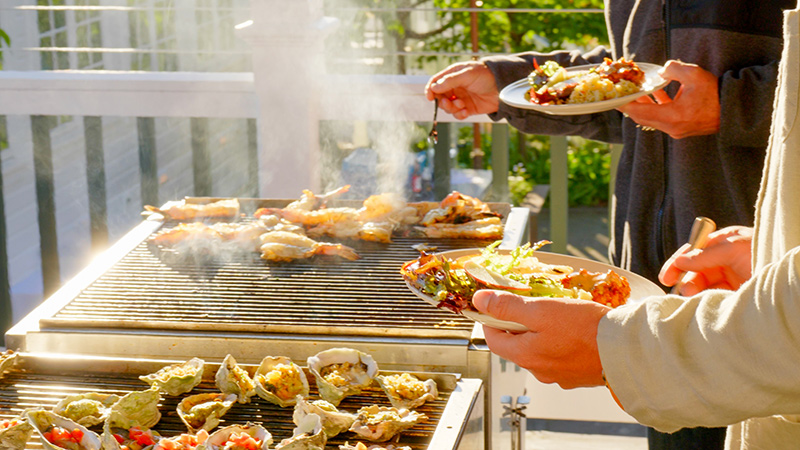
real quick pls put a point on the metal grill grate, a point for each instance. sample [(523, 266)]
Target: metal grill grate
[(156, 289), (21, 389)]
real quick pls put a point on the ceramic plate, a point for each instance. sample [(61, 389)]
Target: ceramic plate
[(640, 287), (514, 94)]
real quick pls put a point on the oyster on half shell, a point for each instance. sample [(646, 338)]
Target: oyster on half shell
[(333, 420), (177, 379), (136, 409), (280, 381), (87, 409), (261, 438), (340, 372), (308, 435), (406, 390), (47, 422), (232, 379), (135, 437), (8, 359), (203, 411), (381, 423), (14, 433)]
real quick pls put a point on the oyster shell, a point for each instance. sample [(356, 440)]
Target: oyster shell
[(177, 379), (7, 360), (308, 435), (341, 372), (280, 381), (333, 420), (44, 421), (87, 409), (232, 379), (183, 441), (202, 411), (381, 423), (135, 409), (362, 446), (406, 390), (14, 433), (218, 439), (131, 438)]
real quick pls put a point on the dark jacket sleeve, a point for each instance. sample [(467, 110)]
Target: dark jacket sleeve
[(604, 126), (746, 99)]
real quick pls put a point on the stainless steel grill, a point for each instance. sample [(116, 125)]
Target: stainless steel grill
[(43, 380)]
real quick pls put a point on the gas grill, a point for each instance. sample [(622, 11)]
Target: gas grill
[(139, 301), (40, 381)]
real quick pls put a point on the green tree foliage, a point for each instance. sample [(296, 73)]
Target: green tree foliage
[(4, 40)]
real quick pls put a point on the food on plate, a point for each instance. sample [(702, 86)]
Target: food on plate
[(286, 246), (238, 437), (183, 210), (232, 379), (280, 381), (14, 433), (183, 441), (177, 379), (406, 390), (340, 372), (307, 435), (334, 421), (552, 84), (86, 409), (362, 446), (135, 409), (57, 433), (203, 411), (134, 438), (452, 283), (380, 423)]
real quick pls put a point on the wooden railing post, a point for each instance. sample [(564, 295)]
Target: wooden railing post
[(96, 181), (6, 309), (559, 196), (148, 165), (252, 157), (45, 202), (201, 157), (500, 163)]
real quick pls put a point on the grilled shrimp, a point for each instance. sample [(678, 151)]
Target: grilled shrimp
[(181, 210), (310, 209), (286, 246), (368, 231), (458, 208), (487, 228)]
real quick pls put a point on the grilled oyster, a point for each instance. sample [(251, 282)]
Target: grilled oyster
[(381, 423), (14, 433), (132, 438), (280, 381), (341, 372), (333, 420), (308, 435), (59, 433), (232, 379), (202, 411), (7, 360), (362, 446), (406, 390), (255, 435), (135, 409), (178, 378), (183, 441), (87, 409)]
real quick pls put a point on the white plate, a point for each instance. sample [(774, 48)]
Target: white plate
[(641, 287), (514, 94)]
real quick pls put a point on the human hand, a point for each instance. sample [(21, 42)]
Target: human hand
[(464, 89), (695, 110), (724, 262), (561, 346)]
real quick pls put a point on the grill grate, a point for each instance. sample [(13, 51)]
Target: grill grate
[(151, 288), (21, 389)]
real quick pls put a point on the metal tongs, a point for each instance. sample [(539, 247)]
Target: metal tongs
[(433, 136), (698, 238)]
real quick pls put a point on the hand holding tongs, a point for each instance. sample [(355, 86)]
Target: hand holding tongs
[(433, 136), (698, 237)]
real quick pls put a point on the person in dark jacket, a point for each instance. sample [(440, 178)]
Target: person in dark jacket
[(695, 149)]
